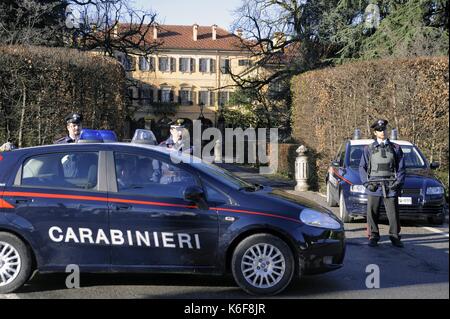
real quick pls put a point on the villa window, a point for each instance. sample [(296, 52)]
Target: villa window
[(165, 95), (207, 65), (225, 66), (146, 63), (185, 96), (164, 64), (224, 98), (186, 64), (203, 98)]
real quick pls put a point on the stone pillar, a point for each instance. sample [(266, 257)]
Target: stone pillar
[(301, 169), (218, 151)]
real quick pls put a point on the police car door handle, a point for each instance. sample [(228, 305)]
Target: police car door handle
[(122, 206), (23, 200)]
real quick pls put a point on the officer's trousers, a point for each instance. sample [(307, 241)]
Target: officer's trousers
[(373, 213)]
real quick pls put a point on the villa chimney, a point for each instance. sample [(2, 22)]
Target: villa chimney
[(195, 31), (214, 31), (115, 31), (155, 32), (239, 33)]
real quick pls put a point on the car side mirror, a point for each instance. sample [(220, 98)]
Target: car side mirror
[(435, 165), (195, 194)]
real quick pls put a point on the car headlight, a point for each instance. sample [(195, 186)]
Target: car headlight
[(317, 219), (439, 190), (357, 189)]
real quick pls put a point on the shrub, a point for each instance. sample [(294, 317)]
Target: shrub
[(39, 86)]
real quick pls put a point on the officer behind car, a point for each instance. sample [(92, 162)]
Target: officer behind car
[(382, 160), (178, 137), (73, 122)]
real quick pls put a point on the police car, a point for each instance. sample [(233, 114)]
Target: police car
[(125, 207), (422, 196)]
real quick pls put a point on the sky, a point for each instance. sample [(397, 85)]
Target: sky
[(188, 12)]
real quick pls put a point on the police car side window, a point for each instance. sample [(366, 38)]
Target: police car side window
[(75, 170), (143, 175)]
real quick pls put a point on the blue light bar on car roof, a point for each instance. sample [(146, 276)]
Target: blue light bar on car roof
[(90, 136), (108, 136)]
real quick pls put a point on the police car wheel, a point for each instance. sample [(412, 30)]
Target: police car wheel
[(263, 264), (15, 263), (330, 200), (437, 220), (343, 213)]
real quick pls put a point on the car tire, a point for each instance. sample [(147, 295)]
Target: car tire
[(437, 220), (15, 263), (343, 213), (263, 265), (331, 202)]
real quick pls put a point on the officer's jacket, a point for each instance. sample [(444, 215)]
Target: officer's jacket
[(399, 168), (169, 143), (64, 140)]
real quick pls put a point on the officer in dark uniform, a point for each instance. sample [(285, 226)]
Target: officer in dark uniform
[(382, 172), (178, 139), (73, 122)]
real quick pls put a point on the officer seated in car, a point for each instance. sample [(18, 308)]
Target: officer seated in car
[(125, 176), (146, 171)]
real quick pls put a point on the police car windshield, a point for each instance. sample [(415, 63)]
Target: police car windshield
[(224, 176), (412, 157)]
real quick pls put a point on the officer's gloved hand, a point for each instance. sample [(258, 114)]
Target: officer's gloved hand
[(372, 187), (395, 186)]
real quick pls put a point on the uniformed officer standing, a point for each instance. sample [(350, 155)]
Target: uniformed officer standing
[(178, 137), (382, 160), (73, 122)]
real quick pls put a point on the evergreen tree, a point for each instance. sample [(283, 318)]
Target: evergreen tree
[(403, 28)]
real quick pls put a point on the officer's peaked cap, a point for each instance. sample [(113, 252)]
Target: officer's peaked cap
[(379, 124), (75, 118)]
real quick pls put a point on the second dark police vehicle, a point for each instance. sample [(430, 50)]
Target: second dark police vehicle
[(422, 196), (126, 207)]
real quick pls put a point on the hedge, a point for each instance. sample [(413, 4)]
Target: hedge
[(412, 94), (39, 86)]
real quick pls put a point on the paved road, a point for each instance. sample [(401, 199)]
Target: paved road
[(420, 270)]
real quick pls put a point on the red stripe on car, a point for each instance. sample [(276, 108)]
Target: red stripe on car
[(139, 202)]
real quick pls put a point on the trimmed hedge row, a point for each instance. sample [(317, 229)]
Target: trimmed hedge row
[(412, 94), (39, 86)]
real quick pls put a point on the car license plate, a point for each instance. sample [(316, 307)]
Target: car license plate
[(405, 200)]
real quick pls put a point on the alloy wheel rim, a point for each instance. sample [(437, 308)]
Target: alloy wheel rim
[(10, 263), (263, 265)]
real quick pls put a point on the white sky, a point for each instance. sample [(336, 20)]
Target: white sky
[(188, 12)]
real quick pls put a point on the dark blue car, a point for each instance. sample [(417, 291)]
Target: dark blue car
[(422, 196), (116, 207)]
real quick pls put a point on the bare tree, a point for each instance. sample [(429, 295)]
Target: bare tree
[(280, 33), (31, 22), (111, 26)]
